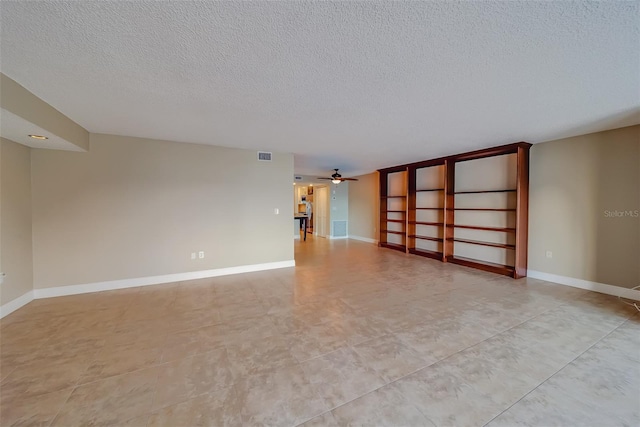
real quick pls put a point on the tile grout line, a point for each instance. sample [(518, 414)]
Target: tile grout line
[(53, 419), (425, 367), (351, 345), (555, 373)]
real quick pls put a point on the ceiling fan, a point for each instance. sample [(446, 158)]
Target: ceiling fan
[(336, 178)]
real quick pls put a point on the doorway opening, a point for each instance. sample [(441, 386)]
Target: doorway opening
[(312, 200)]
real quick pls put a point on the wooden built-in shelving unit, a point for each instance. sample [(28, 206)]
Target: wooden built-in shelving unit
[(393, 209), (470, 209)]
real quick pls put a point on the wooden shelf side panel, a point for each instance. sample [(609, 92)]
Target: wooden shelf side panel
[(522, 212), (449, 204)]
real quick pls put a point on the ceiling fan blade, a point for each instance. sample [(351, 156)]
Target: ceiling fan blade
[(348, 179), (324, 178)]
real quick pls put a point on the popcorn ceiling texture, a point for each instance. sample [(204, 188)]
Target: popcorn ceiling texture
[(340, 84)]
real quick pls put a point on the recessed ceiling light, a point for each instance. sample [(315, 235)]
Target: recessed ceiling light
[(38, 137)]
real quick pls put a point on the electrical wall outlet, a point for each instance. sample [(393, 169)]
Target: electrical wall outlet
[(549, 254), (201, 254), (276, 211)]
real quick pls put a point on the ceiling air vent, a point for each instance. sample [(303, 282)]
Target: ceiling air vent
[(298, 177), (264, 156)]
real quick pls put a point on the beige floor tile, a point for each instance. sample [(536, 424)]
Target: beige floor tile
[(136, 332), (446, 399), (40, 377), (324, 420), (14, 355), (383, 407), (317, 343), (249, 358), (210, 409), (443, 337), (242, 310), (192, 376), (391, 358), (37, 410), (503, 384), (341, 376), (316, 340), (196, 318), (182, 344), (605, 379), (111, 401), (549, 406), (398, 318), (122, 359), (244, 330), (359, 329), (281, 397), (505, 356)]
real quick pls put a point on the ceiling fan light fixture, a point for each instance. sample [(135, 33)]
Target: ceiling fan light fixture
[(41, 137), (336, 181)]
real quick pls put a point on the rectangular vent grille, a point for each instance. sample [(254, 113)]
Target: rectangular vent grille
[(298, 178), (339, 229), (264, 156)]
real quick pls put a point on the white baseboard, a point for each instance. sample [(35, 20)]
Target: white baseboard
[(603, 288), (155, 280), (364, 239), (337, 237), (17, 303)]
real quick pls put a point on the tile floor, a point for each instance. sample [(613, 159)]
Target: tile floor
[(354, 335)]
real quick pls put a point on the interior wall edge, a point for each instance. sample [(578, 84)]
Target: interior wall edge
[(59, 291), (602, 288), (16, 304), (156, 280), (363, 239)]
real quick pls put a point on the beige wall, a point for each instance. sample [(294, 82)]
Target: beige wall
[(577, 185), (363, 206), (135, 207), (15, 220)]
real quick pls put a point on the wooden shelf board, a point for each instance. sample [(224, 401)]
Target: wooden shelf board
[(394, 246), (506, 270), (477, 227), (426, 253), (393, 197), (404, 212), (417, 236), (426, 223), (393, 232), (482, 209), (429, 189), (395, 220), (428, 209), (486, 191), (491, 244)]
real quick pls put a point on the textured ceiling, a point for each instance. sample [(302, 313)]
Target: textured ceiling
[(351, 85)]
